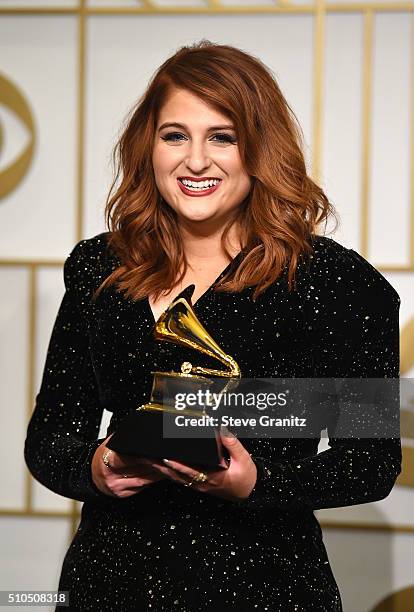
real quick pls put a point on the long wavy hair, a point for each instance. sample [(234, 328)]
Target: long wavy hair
[(284, 206)]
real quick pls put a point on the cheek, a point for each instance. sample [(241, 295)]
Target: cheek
[(164, 167), (237, 171), (160, 162), (243, 183)]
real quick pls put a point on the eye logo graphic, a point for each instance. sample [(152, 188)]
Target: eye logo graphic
[(13, 100)]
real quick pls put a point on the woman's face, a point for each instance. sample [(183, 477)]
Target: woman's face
[(201, 146)]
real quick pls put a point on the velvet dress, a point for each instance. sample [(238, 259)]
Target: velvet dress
[(171, 547)]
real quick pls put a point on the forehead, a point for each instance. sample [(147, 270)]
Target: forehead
[(182, 105)]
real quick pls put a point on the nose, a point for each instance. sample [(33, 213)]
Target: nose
[(197, 159)]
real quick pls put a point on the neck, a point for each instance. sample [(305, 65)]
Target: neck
[(202, 246)]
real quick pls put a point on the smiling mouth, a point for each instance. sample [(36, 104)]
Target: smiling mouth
[(199, 185), (192, 188)]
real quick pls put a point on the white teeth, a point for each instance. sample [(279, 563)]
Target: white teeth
[(199, 185)]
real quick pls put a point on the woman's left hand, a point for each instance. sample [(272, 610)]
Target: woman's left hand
[(234, 483)]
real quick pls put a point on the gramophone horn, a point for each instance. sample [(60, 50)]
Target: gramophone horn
[(179, 324)]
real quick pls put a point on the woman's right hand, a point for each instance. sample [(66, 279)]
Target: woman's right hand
[(140, 472)]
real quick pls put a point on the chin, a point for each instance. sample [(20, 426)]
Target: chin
[(197, 218), (197, 215)]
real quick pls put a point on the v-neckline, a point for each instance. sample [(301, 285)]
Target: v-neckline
[(202, 296)]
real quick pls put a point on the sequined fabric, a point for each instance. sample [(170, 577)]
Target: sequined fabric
[(171, 547)]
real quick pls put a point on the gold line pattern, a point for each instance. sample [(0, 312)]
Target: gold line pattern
[(214, 6), (360, 526), (74, 515), (31, 360), (412, 144), (319, 41), (61, 514), (366, 131), (81, 118), (32, 262)]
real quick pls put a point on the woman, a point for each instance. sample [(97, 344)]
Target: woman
[(282, 300)]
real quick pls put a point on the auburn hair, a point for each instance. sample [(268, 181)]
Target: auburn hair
[(278, 217)]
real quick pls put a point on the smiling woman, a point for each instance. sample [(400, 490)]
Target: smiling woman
[(212, 191), (210, 112)]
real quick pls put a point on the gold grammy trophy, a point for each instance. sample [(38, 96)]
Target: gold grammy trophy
[(142, 432)]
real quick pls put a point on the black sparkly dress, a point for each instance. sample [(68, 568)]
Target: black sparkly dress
[(171, 547)]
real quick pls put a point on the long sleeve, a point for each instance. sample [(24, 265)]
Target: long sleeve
[(354, 321), (63, 430)]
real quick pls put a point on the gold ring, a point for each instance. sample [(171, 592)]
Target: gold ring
[(105, 458), (200, 477)]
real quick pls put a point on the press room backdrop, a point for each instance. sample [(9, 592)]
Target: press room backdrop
[(69, 73)]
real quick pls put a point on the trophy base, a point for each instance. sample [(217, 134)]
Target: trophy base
[(142, 434)]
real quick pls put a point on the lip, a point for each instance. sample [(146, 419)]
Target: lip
[(194, 194), (200, 179)]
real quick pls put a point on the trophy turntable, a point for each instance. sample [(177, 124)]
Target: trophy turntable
[(142, 432)]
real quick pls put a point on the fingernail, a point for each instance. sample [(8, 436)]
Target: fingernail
[(166, 461), (226, 431)]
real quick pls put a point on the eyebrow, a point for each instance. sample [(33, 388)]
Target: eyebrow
[(210, 129)]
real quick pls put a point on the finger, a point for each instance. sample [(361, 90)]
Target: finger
[(131, 481), (226, 433), (175, 475), (233, 445), (148, 464), (133, 472), (136, 465), (185, 474), (129, 492), (181, 468)]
